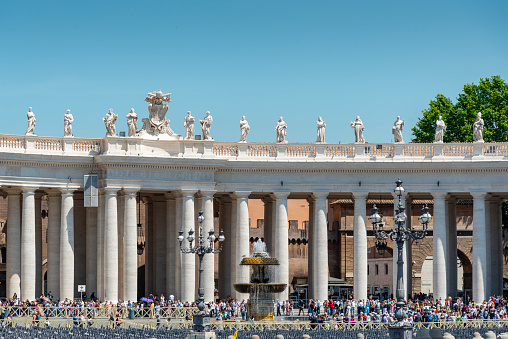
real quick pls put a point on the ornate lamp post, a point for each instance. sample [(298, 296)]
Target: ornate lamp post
[(200, 321), (399, 234)]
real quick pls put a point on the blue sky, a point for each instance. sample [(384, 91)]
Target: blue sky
[(261, 59)]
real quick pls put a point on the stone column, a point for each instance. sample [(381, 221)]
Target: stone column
[(312, 293), (159, 231), (439, 244), (405, 248), (28, 245), (233, 230), (360, 246), (130, 243), (100, 244), (178, 253), (149, 247), (121, 227), (111, 245), (267, 223), (209, 259), (320, 247), (91, 250), (281, 241), (38, 245), (188, 282), (479, 248), (67, 245), (451, 236), (171, 243), (13, 267), (242, 240), (226, 254), (499, 253), (54, 215)]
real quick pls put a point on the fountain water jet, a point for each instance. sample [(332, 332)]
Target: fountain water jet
[(260, 289)]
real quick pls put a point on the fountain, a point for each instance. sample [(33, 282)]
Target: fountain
[(260, 304)]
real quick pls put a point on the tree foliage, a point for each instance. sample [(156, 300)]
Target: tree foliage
[(490, 97)]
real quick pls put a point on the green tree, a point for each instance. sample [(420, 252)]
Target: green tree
[(490, 97)]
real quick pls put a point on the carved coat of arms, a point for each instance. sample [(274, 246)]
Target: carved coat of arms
[(157, 123)]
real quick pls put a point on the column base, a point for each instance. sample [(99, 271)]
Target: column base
[(201, 335), (400, 331)]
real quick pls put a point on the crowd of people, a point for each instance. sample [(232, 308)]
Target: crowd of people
[(424, 309)]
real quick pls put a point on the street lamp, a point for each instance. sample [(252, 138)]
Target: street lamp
[(200, 321), (399, 234)]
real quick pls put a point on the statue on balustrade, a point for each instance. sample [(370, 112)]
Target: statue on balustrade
[(206, 125), (359, 128), (68, 119), (244, 129), (109, 121), (132, 123), (440, 129), (188, 123), (321, 125), (397, 129), (478, 128), (280, 128), (157, 125), (31, 122)]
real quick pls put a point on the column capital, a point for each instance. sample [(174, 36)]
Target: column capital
[(360, 195), (110, 191), (320, 195), (188, 193), (281, 195), (130, 191), (207, 194), (478, 195), (29, 190), (242, 194), (439, 195), (67, 191)]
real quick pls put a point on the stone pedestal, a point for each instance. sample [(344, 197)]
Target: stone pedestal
[(401, 332), (201, 335)]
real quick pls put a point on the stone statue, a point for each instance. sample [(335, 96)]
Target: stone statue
[(280, 128), (157, 125), (31, 121), (478, 128), (244, 129), (206, 124), (68, 119), (397, 129), (109, 121), (132, 123), (359, 128), (440, 129), (320, 130), (189, 126)]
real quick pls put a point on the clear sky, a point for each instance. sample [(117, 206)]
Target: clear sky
[(262, 59)]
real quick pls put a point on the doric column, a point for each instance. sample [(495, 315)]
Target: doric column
[(130, 242), (177, 252), (267, 223), (310, 243), (439, 254), (281, 241), (120, 207), (499, 246), (451, 236), (91, 250), (38, 245), (28, 245), (242, 240), (233, 230), (13, 267), (225, 255), (479, 248), (172, 244), (320, 247), (54, 215), (111, 245), (360, 246), (100, 244), (159, 231), (188, 282), (209, 259), (67, 245)]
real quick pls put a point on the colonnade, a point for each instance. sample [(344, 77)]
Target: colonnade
[(111, 243)]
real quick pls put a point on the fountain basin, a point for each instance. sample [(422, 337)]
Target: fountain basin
[(260, 288)]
